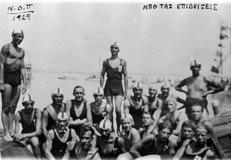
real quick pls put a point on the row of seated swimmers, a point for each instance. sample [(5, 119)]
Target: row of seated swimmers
[(140, 126)]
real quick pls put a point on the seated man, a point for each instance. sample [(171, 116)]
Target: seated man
[(196, 149), (147, 125), (154, 144), (99, 108), (30, 120), (50, 113), (59, 137), (153, 101), (78, 109), (110, 145), (83, 149), (136, 104)]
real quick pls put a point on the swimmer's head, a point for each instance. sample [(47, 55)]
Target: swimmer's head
[(114, 49), (171, 104), (194, 64), (27, 99), (165, 88), (17, 31), (152, 90), (62, 122), (105, 128), (127, 122), (57, 96), (137, 89), (98, 94)]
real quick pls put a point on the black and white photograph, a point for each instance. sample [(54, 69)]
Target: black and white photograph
[(115, 80)]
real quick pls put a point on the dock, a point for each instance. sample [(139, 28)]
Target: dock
[(11, 150)]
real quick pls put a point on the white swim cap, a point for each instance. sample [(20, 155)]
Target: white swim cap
[(56, 91), (138, 85), (62, 116), (105, 124), (27, 98), (128, 116), (194, 63), (98, 91), (17, 31), (166, 84)]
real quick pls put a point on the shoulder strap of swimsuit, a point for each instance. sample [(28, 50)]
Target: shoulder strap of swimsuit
[(121, 60)]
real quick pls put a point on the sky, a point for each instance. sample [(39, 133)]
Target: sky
[(75, 36)]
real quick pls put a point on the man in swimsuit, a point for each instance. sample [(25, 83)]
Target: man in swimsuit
[(153, 144), (198, 87), (147, 122), (59, 137), (198, 149), (110, 145), (116, 70), (130, 135), (154, 102), (176, 118), (99, 108), (12, 60), (197, 119), (83, 149), (30, 120), (50, 113), (78, 109), (135, 104)]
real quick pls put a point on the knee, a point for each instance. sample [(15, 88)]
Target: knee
[(6, 109), (34, 142), (12, 109)]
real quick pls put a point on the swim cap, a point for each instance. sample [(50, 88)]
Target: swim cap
[(105, 124), (128, 116), (166, 84), (171, 99), (27, 98), (194, 63), (62, 116), (56, 91), (153, 87), (17, 31), (98, 91), (137, 85)]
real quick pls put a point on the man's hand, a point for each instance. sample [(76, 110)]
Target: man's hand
[(24, 88)]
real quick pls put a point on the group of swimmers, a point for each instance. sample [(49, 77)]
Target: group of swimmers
[(146, 125)]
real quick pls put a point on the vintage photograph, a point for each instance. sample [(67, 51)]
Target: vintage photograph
[(117, 80)]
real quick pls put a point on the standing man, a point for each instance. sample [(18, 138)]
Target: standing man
[(116, 70), (12, 60), (198, 87)]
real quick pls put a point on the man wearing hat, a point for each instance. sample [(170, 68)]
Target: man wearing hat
[(135, 104), (198, 87), (50, 113), (59, 137), (109, 145), (13, 71), (99, 108), (30, 120), (116, 70)]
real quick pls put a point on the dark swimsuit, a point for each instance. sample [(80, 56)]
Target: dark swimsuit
[(136, 114), (28, 121), (81, 116), (59, 147), (96, 119), (113, 85), (115, 151)]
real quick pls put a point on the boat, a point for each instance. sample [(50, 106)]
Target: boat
[(93, 77), (68, 77)]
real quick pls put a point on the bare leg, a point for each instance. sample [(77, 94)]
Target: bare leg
[(35, 146), (14, 102), (110, 102), (6, 99), (118, 105)]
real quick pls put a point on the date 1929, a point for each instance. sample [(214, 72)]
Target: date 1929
[(20, 12)]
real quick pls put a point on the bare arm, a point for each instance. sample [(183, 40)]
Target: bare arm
[(49, 142), (182, 117), (181, 150), (135, 136), (134, 150), (180, 85), (102, 74), (45, 122), (125, 78), (89, 116), (23, 74)]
